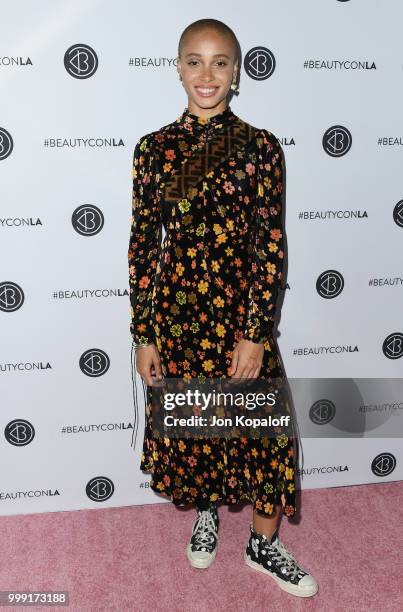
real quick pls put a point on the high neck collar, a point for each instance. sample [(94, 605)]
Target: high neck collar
[(194, 123)]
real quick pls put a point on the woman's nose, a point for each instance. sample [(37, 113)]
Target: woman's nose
[(206, 74)]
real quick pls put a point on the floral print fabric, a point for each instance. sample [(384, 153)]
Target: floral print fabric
[(215, 186)]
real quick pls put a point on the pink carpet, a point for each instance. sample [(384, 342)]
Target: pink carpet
[(134, 558)]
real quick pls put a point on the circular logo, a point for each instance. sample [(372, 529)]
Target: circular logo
[(100, 488), (80, 61), (19, 432), (259, 63), (94, 362), (6, 143), (383, 464), (337, 141), (398, 214), (11, 296), (322, 412), (87, 220), (330, 284), (392, 346)]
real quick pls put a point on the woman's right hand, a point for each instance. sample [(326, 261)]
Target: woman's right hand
[(148, 363)]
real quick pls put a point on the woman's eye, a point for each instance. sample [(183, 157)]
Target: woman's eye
[(220, 62)]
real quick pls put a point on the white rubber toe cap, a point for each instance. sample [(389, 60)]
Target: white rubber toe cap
[(308, 584), (199, 558)]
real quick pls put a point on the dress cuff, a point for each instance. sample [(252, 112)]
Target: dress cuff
[(138, 341), (258, 333)]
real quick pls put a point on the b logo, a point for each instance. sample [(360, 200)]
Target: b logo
[(19, 432), (80, 61), (259, 63), (94, 362), (322, 412), (392, 346), (330, 284), (398, 214), (383, 464), (6, 143), (87, 220), (100, 488), (337, 141), (11, 296)]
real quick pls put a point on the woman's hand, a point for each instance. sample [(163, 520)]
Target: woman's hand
[(247, 359), (148, 363)]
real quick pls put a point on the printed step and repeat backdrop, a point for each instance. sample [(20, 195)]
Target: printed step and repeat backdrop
[(81, 81)]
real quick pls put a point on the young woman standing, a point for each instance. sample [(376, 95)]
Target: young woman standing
[(203, 303)]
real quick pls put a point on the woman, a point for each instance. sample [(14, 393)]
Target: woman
[(203, 304)]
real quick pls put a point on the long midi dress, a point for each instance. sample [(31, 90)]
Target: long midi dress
[(215, 185)]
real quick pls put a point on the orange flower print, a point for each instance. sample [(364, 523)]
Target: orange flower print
[(228, 187)]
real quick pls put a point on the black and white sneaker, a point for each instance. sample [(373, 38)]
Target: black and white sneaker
[(202, 547), (272, 558)]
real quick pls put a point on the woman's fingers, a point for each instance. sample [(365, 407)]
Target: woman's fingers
[(234, 362), (157, 366), (256, 372), (147, 363), (247, 360)]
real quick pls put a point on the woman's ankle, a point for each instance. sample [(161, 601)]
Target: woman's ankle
[(266, 524)]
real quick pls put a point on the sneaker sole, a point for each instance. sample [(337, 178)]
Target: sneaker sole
[(289, 588), (199, 564)]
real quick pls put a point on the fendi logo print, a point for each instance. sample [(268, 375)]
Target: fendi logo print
[(184, 181)]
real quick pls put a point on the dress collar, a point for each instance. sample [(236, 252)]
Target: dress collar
[(195, 124)]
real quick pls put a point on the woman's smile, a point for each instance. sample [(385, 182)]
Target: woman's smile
[(206, 92)]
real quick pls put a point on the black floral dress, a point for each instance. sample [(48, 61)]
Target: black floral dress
[(215, 185)]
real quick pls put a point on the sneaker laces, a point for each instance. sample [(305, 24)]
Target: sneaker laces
[(204, 531), (285, 559)]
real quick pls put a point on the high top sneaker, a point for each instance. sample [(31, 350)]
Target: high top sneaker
[(202, 547), (272, 558)]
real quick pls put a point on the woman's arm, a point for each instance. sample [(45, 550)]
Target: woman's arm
[(144, 244), (269, 242)]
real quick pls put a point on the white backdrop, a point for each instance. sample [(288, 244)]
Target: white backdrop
[(68, 123)]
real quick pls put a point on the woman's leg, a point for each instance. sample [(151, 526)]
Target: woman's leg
[(266, 525)]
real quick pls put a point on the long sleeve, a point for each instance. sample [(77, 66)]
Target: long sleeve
[(268, 253), (144, 244)]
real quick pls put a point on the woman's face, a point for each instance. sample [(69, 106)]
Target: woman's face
[(207, 66)]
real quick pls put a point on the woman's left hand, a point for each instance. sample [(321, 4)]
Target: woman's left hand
[(247, 359)]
